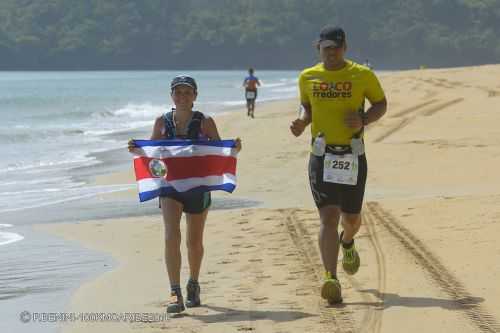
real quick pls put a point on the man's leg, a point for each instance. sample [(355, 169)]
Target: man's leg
[(249, 105), (351, 218), (326, 198), (195, 227), (329, 237), (350, 260), (329, 248), (351, 224), (172, 212)]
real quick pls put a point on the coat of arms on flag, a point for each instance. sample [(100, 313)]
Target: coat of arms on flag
[(167, 166)]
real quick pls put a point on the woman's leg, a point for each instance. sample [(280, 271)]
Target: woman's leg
[(172, 212), (195, 228)]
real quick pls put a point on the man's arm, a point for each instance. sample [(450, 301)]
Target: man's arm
[(356, 121), (306, 116), (375, 112), (299, 125)]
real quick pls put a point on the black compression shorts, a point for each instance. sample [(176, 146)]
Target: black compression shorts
[(348, 197)]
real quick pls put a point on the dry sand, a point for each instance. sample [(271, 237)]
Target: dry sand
[(429, 242)]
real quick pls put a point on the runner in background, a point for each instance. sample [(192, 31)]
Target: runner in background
[(250, 83)]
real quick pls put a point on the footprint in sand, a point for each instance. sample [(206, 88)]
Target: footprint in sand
[(225, 262), (303, 293), (263, 277), (297, 272), (260, 300), (255, 260), (207, 282), (238, 300)]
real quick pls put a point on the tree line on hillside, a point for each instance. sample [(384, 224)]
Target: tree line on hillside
[(227, 34)]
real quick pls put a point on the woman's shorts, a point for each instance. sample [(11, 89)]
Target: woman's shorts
[(193, 203)]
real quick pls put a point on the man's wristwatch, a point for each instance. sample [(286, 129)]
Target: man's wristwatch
[(364, 118)]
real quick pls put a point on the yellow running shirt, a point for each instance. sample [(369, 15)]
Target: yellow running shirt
[(332, 94)]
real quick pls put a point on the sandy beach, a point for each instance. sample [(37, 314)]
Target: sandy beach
[(428, 244)]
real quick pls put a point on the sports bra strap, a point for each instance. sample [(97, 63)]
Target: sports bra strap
[(194, 126)]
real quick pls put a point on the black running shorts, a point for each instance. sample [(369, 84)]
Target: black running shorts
[(249, 100), (193, 203), (348, 197)]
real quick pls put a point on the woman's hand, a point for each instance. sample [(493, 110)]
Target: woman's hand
[(237, 145), (131, 145)]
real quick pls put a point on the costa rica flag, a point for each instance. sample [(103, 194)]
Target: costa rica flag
[(166, 166)]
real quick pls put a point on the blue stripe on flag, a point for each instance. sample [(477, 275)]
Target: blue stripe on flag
[(148, 195), (227, 187), (157, 143)]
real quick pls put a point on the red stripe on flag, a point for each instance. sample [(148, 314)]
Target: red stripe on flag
[(188, 167), (141, 167)]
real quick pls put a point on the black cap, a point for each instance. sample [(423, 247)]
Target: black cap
[(183, 80), (331, 36)]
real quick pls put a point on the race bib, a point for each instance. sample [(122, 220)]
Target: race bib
[(250, 95), (341, 169)]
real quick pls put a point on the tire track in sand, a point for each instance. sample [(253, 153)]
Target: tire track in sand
[(438, 273), (413, 108), (334, 319), (340, 317), (442, 106), (405, 121), (373, 319), (393, 130)]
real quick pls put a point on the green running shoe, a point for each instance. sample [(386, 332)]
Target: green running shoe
[(331, 290), (351, 260)]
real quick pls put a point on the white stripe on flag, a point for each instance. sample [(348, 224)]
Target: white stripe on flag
[(182, 151), (151, 184), (183, 185)]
